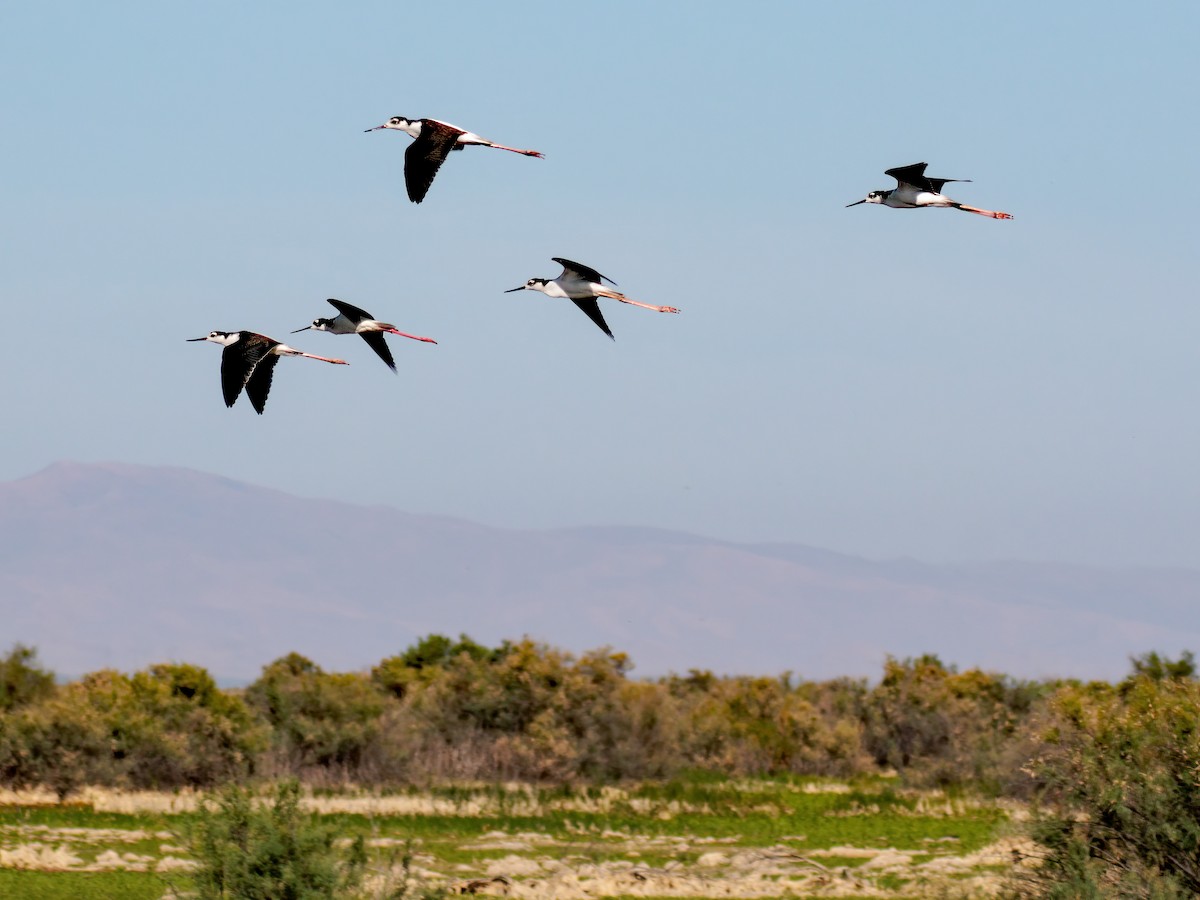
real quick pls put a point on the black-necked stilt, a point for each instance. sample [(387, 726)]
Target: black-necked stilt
[(433, 142), (248, 361), (914, 190), (352, 320), (582, 285)]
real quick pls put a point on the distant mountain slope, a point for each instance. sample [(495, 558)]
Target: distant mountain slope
[(119, 565)]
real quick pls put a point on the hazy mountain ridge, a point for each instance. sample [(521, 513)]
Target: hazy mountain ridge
[(124, 565)]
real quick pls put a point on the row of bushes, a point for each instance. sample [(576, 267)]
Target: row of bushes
[(448, 709), (1114, 769), (458, 710)]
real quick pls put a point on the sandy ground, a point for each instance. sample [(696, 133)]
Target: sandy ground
[(530, 872), (781, 870)]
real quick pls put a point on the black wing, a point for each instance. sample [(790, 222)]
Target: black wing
[(238, 362), (376, 342), (914, 175), (259, 383), (353, 313), (937, 183), (586, 271), (424, 157), (592, 308)]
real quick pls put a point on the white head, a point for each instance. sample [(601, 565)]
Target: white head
[(873, 197), (317, 325), (224, 338), (533, 284), (400, 124)]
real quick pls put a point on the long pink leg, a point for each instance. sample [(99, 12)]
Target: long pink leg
[(336, 362), (615, 296), (983, 212), (516, 150), (413, 336)]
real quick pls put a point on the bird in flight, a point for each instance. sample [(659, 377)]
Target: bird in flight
[(248, 361), (915, 190), (582, 285), (432, 143), (352, 320)]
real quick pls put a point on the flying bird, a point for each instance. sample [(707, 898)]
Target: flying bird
[(248, 361), (352, 320), (582, 285), (914, 190), (433, 141)]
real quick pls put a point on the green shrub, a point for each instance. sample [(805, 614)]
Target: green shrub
[(178, 729), (269, 851), (61, 743), (22, 681), (424, 660), (1120, 768), (318, 719), (1160, 668)]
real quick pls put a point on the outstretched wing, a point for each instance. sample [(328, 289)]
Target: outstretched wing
[(592, 309), (425, 156), (259, 383), (376, 342), (914, 175), (579, 269), (238, 362), (936, 183), (353, 313)]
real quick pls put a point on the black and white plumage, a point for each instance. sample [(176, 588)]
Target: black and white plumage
[(582, 285), (915, 190), (352, 320), (433, 141), (248, 361)]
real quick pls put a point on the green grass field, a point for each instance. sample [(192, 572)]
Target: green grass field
[(26, 885)]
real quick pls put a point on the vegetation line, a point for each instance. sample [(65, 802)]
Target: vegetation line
[(1110, 769)]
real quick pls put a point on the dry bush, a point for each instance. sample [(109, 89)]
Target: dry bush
[(530, 711), (937, 726), (167, 727), (754, 726), (640, 735)]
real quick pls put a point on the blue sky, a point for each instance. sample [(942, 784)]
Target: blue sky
[(875, 381)]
